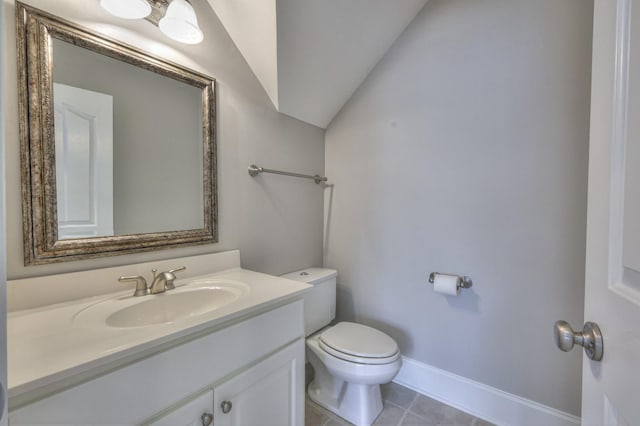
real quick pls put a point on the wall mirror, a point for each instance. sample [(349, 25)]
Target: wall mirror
[(118, 149)]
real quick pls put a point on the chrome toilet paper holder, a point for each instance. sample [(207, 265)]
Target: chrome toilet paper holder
[(463, 280)]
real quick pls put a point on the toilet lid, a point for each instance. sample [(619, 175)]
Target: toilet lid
[(359, 341)]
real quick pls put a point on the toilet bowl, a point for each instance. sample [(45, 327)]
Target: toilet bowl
[(350, 360), (347, 380)]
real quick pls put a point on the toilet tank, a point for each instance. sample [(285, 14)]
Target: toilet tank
[(320, 301)]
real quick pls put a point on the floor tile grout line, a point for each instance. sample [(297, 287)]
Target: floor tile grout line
[(400, 407), (393, 403), (415, 398), (402, 417)]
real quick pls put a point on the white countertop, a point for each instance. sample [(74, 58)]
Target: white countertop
[(47, 348)]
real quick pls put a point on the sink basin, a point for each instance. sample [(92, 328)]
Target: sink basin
[(191, 300), (170, 307)]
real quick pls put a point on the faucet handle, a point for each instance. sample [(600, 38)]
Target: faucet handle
[(169, 284), (178, 269), (141, 284)]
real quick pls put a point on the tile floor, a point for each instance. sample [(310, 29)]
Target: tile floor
[(402, 407)]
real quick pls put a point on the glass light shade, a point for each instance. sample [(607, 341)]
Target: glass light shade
[(180, 23), (127, 9)]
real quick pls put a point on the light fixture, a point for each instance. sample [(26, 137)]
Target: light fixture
[(180, 23), (127, 9), (175, 18)]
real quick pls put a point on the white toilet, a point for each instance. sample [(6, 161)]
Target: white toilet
[(350, 360)]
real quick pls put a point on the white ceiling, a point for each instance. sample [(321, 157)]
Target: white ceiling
[(310, 55)]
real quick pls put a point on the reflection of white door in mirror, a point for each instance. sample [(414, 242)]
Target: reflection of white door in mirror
[(84, 162)]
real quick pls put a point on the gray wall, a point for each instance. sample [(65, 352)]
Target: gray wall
[(465, 151), (276, 222)]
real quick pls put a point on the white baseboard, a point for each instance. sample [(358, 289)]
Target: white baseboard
[(478, 399)]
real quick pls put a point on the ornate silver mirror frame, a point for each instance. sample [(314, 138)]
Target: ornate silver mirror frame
[(35, 30)]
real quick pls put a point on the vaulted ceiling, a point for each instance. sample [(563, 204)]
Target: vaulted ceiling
[(311, 55)]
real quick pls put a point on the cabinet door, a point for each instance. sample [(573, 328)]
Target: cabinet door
[(270, 393), (190, 414)]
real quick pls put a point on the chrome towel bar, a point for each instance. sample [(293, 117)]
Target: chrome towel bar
[(254, 170)]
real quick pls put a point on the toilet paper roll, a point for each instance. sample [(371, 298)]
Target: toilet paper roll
[(446, 284)]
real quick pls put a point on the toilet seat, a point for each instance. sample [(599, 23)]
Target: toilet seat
[(359, 344)]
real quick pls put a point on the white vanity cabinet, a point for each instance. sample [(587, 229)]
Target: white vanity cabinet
[(255, 363), (267, 393)]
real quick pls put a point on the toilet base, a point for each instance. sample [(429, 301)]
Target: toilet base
[(356, 403)]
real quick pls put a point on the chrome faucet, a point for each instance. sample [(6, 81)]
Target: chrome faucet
[(164, 280), (161, 282)]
